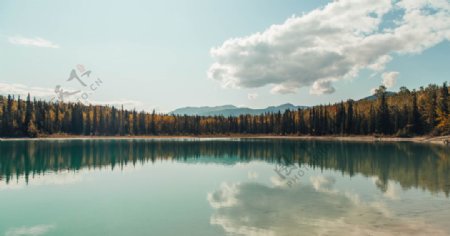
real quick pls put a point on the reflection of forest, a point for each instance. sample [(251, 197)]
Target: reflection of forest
[(412, 165)]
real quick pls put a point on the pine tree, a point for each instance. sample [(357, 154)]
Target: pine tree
[(88, 124), (415, 119), (349, 122), (28, 114), (431, 107), (9, 117), (95, 129), (32, 130), (443, 114), (383, 116), (5, 114), (340, 118), (153, 123), (372, 120), (135, 123)]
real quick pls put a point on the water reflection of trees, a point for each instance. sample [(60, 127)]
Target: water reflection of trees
[(412, 165)]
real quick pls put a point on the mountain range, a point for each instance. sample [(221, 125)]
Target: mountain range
[(231, 110)]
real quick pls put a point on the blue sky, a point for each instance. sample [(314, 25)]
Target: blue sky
[(157, 54)]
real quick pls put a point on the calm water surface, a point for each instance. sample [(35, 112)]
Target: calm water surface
[(223, 187)]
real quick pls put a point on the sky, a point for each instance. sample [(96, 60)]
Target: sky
[(174, 53)]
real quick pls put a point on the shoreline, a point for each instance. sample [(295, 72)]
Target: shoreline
[(443, 140)]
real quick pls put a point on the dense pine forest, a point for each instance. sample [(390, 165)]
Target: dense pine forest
[(406, 113)]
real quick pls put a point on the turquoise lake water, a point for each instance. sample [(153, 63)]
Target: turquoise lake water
[(223, 187)]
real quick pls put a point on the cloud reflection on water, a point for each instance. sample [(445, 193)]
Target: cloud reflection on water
[(35, 230), (317, 208)]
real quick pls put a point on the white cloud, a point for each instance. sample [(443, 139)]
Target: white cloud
[(284, 89), (252, 96), (23, 90), (380, 63), (31, 231), (390, 79), (49, 93), (322, 87), (37, 92), (330, 44), (35, 42), (373, 91)]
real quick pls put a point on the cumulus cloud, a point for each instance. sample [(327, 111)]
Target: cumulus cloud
[(322, 87), (30, 231), (330, 44), (34, 42), (284, 89), (390, 79)]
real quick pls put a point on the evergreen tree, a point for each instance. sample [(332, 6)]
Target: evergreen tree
[(430, 107), (415, 119), (5, 118), (28, 114), (443, 114), (349, 122), (383, 119)]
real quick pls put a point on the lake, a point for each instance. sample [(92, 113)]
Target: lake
[(223, 187)]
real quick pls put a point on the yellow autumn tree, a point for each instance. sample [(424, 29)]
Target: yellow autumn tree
[(442, 111)]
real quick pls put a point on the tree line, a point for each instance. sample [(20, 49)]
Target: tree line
[(406, 113)]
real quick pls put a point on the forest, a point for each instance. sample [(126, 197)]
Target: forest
[(406, 113)]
